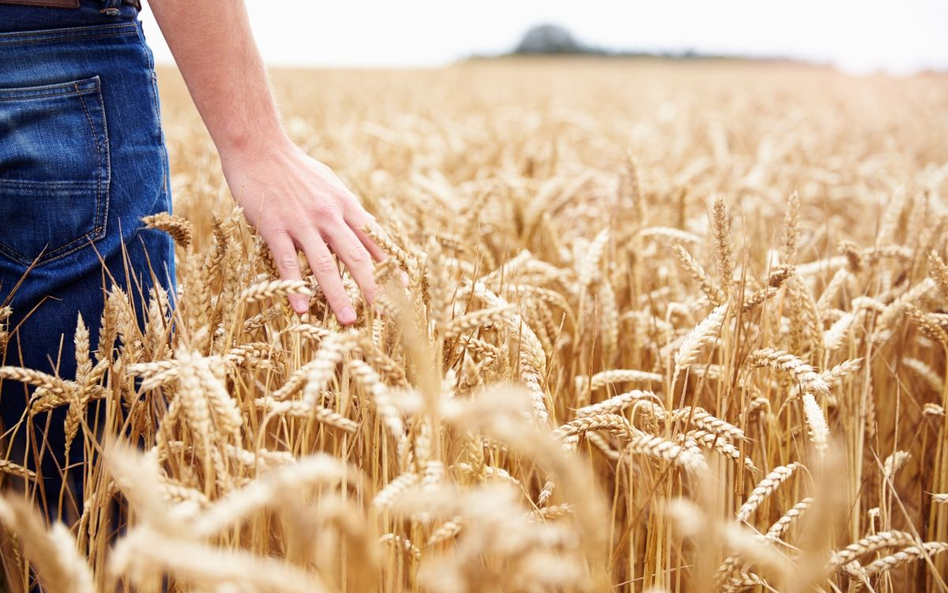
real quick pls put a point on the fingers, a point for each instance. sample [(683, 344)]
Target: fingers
[(359, 222), (354, 254), (288, 265), (324, 268), (332, 222)]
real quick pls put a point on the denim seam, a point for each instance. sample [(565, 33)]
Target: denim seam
[(141, 39), (56, 39), (25, 94), (42, 185), (52, 38), (165, 170), (98, 231), (99, 222), (69, 30), (34, 97), (107, 194), (44, 258)]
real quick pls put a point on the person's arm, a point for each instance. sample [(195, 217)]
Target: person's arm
[(293, 200)]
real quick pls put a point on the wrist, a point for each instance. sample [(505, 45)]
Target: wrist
[(253, 144)]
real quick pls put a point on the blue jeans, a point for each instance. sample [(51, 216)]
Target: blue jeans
[(82, 159)]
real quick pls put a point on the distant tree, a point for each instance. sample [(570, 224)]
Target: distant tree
[(549, 39)]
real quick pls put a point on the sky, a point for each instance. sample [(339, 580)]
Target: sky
[(899, 37)]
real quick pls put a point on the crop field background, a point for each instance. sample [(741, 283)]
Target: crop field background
[(646, 326)]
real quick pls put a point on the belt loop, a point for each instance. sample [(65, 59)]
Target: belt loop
[(111, 7)]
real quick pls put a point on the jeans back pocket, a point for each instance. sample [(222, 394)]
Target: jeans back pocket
[(54, 170)]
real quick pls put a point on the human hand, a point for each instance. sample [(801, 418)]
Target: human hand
[(297, 203)]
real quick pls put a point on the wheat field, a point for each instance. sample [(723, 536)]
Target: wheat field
[(646, 326)]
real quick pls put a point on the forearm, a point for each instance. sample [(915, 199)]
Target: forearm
[(214, 48), (292, 200)]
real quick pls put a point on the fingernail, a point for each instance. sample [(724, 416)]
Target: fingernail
[(300, 304), (347, 315), (405, 280)]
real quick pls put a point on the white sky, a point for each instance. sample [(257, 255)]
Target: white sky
[(899, 36)]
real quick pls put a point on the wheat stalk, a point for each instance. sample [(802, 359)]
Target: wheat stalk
[(52, 553), (765, 488), (273, 289), (703, 334)]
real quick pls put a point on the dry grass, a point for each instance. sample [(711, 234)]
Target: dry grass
[(666, 327)]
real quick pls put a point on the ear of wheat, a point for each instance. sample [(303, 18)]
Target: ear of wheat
[(575, 366), (703, 334)]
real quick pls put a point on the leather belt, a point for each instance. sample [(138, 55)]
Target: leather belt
[(62, 3), (44, 3)]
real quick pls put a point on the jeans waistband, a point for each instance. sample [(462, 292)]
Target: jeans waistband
[(67, 34), (18, 18)]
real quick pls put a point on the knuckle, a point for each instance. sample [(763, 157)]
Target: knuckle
[(358, 255), (287, 262), (326, 213), (336, 296), (275, 236), (320, 207), (354, 202), (339, 298), (325, 263), (370, 291), (360, 217)]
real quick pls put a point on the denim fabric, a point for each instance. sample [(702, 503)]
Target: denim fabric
[(90, 12), (82, 159)]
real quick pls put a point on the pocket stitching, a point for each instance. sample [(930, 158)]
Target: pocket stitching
[(41, 185), (47, 96), (101, 197), (87, 86)]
